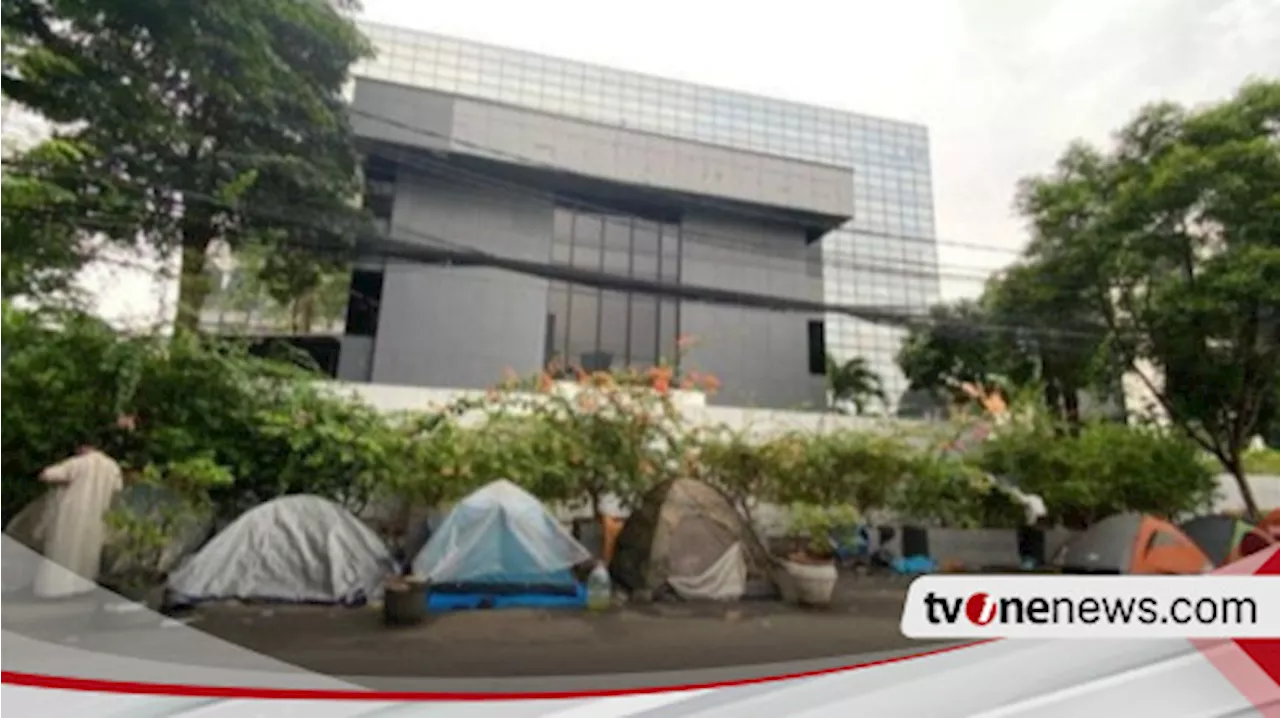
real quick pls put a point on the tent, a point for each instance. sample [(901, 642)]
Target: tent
[(301, 549), (1225, 539), (686, 535), (1270, 524), (1133, 543), (500, 547)]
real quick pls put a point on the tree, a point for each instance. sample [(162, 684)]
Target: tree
[(42, 251), (1053, 339), (959, 345), (854, 382), (291, 288), (208, 120), (1173, 243)]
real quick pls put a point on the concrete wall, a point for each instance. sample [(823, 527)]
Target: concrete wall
[(761, 358), (449, 326), (464, 327), (426, 119)]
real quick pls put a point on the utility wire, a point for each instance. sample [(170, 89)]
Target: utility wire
[(759, 213), (610, 216), (425, 248), (931, 271)]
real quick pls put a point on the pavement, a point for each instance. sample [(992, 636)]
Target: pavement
[(658, 637), (655, 638)]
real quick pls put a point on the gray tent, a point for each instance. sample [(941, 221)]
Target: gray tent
[(1133, 543), (299, 549)]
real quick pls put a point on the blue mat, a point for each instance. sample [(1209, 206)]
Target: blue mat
[(443, 602)]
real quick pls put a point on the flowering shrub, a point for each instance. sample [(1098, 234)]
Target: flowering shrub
[(205, 410)]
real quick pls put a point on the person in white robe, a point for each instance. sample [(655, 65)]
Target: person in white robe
[(75, 529)]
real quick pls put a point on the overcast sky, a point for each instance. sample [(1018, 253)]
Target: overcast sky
[(1003, 85)]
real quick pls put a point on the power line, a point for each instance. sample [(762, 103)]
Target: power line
[(609, 216), (929, 271), (707, 202), (450, 253)]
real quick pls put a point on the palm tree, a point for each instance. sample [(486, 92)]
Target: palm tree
[(855, 382)]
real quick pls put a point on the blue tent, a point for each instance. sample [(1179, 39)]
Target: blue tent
[(501, 547)]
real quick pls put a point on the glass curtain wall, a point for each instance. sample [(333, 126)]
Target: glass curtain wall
[(598, 329)]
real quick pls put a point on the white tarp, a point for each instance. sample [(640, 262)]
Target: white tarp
[(499, 534), (295, 548), (724, 580)]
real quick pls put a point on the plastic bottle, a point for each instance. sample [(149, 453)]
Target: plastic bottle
[(599, 588)]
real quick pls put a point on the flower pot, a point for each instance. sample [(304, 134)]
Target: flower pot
[(404, 602), (814, 581)]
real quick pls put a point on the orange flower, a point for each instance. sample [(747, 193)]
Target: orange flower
[(660, 372), (688, 384), (710, 384), (545, 383), (662, 384), (586, 402)]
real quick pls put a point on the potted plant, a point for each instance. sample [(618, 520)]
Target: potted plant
[(811, 565)]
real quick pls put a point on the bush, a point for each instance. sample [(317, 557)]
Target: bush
[(61, 371), (266, 428), (265, 422), (950, 493), (1106, 468)]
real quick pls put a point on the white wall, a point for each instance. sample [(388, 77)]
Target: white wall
[(692, 405)]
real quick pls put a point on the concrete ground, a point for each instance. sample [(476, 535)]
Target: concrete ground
[(527, 643)]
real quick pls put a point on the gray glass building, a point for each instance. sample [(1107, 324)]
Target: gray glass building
[(856, 189)]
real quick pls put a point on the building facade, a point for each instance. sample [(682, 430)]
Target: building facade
[(550, 160)]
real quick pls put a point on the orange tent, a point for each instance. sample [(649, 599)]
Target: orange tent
[(1225, 539), (1270, 524), (1136, 544)]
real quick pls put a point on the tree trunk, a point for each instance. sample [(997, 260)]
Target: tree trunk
[(1071, 408), (1236, 467), (193, 285), (1053, 399), (306, 313)]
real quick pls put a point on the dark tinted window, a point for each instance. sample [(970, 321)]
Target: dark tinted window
[(817, 348), (362, 304), (597, 328)]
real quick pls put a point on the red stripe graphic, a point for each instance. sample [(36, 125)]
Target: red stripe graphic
[(98, 685)]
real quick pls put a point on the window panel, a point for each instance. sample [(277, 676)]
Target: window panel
[(584, 318), (617, 245), (558, 313), (668, 329), (645, 261), (587, 231), (614, 326), (644, 331)]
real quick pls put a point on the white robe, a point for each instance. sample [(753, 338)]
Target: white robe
[(75, 529)]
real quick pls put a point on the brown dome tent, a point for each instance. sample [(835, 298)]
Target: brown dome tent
[(687, 536), (1136, 544), (1225, 539)]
